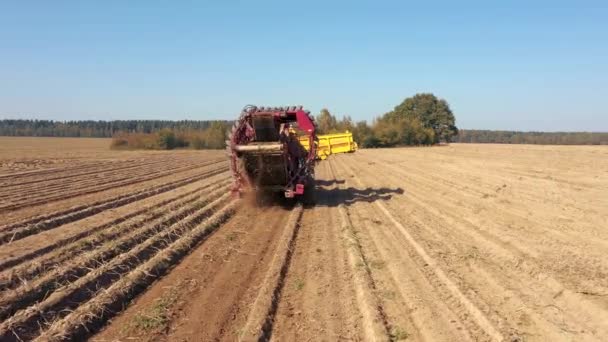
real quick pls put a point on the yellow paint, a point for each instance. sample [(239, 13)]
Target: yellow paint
[(332, 143)]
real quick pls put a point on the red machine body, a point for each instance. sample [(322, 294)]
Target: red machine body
[(265, 152)]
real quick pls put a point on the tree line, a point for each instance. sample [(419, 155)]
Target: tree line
[(212, 137), (542, 138), (423, 119), (97, 129)]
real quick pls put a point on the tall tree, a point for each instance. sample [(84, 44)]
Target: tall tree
[(346, 124), (326, 123), (432, 113)]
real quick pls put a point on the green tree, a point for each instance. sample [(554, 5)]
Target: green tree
[(216, 135), (326, 123), (431, 112), (361, 132), (346, 124), (166, 139)]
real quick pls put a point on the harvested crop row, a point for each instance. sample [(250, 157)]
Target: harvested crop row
[(37, 201), (17, 234), (17, 175), (96, 236), (63, 216), (99, 178), (53, 247), (417, 309), (66, 298), (510, 267), (259, 321), (85, 318), (20, 196), (375, 324), (28, 293), (474, 319), (79, 173)]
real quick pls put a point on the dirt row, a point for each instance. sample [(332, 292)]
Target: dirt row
[(38, 295), (25, 265), (291, 273), (32, 208), (135, 219), (78, 188), (32, 226), (450, 243), (27, 181), (418, 244), (60, 217)]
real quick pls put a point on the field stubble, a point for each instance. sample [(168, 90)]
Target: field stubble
[(464, 242)]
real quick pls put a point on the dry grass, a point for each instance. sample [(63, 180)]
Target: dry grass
[(154, 318)]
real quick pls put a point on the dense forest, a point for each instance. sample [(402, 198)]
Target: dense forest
[(542, 138), (96, 129), (422, 119)]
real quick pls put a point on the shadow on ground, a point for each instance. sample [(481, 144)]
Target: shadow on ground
[(347, 196), (324, 197), (323, 182)]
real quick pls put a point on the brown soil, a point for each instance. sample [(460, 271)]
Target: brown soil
[(462, 242)]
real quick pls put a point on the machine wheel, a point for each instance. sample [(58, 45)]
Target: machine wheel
[(309, 198)]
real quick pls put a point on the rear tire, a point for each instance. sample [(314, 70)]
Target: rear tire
[(309, 198)]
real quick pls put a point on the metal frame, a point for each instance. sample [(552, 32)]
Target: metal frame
[(242, 140)]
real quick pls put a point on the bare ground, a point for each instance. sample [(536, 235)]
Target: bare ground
[(464, 242)]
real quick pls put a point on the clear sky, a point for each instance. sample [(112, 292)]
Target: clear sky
[(523, 65)]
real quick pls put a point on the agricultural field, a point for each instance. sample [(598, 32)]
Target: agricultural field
[(453, 243)]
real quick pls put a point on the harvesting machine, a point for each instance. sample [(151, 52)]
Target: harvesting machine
[(266, 154)]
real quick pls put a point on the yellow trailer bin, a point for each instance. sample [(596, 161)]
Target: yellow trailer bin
[(332, 143)]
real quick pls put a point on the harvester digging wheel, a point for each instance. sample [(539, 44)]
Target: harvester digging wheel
[(262, 146)]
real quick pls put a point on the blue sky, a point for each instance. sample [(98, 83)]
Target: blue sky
[(521, 65)]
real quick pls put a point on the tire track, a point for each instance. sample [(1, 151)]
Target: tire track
[(473, 311), (473, 187), (505, 267), (261, 316), (535, 280), (421, 310), (375, 322)]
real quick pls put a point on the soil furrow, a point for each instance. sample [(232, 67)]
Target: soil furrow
[(89, 317), (261, 316), (15, 206), (56, 222), (157, 188), (15, 201), (92, 238), (376, 326), (66, 298), (98, 170), (12, 300), (479, 317)]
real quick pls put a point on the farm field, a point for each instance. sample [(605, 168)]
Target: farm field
[(464, 242)]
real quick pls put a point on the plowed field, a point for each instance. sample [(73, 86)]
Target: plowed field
[(452, 243)]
